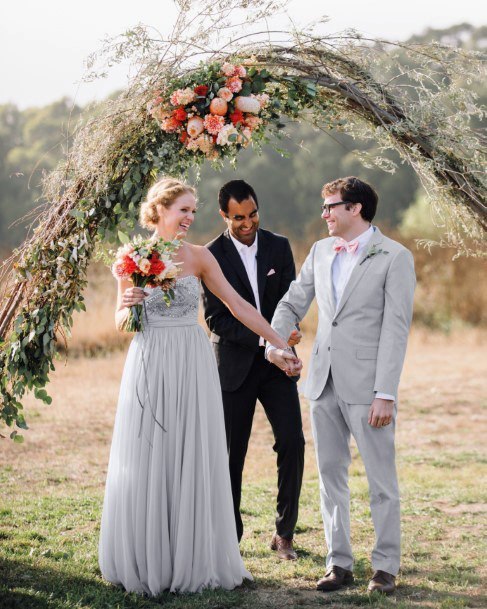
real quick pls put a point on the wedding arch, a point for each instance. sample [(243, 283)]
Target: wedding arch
[(196, 98)]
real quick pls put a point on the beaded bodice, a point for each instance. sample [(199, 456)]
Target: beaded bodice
[(184, 304)]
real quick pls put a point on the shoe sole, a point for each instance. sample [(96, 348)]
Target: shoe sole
[(347, 582)]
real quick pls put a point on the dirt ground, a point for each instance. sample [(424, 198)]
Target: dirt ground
[(442, 407)]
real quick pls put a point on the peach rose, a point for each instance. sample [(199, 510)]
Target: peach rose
[(144, 265), (218, 106), (195, 126), (225, 94)]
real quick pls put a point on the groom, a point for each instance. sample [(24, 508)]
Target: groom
[(364, 284), (259, 265)]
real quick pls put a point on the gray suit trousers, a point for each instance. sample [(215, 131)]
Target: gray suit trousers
[(333, 420)]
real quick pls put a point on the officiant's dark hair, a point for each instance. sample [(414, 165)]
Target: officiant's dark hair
[(354, 190), (238, 190)]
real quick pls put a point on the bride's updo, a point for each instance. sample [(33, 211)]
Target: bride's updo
[(164, 192)]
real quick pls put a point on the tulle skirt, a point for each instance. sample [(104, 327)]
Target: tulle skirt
[(168, 521)]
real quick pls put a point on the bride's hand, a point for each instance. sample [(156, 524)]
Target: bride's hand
[(133, 296), (286, 361)]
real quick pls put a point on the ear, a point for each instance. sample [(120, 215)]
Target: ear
[(222, 214), (357, 208)]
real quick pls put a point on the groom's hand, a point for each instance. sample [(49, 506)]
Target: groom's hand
[(294, 338), (286, 361), (380, 413)]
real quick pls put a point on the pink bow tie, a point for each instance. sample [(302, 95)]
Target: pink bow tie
[(341, 245)]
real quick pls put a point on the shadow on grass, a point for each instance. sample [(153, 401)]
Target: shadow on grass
[(27, 586)]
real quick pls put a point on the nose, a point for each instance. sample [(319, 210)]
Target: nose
[(325, 214)]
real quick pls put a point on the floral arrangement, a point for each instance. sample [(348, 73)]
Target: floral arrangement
[(147, 263), (222, 112)]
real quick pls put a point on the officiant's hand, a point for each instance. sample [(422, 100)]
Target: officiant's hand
[(286, 361), (133, 296), (294, 338)]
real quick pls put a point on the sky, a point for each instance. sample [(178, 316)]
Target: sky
[(44, 45)]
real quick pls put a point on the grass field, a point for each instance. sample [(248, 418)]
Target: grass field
[(52, 490)]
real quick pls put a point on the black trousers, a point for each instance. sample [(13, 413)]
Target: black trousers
[(279, 397)]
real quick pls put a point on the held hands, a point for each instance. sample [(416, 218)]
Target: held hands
[(286, 361), (380, 413), (133, 296)]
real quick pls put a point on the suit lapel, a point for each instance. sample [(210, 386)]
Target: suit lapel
[(236, 262), (263, 256), (327, 261), (359, 269)]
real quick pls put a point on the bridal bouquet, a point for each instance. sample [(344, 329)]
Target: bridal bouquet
[(147, 263)]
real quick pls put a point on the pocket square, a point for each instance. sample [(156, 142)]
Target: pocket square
[(271, 272)]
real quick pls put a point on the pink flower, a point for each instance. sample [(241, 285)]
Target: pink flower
[(225, 94), (214, 123), (182, 97), (252, 122), (263, 99), (240, 71), (234, 84), (228, 69)]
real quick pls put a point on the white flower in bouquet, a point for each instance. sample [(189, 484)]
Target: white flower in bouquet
[(224, 135)]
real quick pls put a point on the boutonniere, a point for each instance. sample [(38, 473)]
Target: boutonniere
[(373, 251)]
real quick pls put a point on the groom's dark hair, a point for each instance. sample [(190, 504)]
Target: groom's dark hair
[(354, 190), (238, 190)]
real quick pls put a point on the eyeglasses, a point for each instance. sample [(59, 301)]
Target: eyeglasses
[(327, 207)]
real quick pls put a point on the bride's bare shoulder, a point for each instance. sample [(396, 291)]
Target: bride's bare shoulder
[(198, 256)]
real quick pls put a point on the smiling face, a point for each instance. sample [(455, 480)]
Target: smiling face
[(343, 222), (242, 219), (176, 219)]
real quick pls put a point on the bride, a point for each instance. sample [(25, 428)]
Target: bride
[(168, 521)]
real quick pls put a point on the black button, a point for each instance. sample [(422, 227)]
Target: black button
[(334, 323), (328, 348)]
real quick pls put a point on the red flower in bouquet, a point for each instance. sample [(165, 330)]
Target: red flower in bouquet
[(201, 90), (156, 265), (124, 267), (237, 117), (180, 114)]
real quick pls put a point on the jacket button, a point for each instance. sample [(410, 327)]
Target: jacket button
[(328, 348), (334, 323)]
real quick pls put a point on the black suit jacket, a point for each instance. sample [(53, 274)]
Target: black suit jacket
[(234, 344)]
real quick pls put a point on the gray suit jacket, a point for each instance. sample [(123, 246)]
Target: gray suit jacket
[(364, 339)]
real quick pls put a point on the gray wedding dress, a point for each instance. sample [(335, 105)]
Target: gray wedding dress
[(168, 521)]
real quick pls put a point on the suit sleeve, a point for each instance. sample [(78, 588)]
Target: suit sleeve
[(294, 305), (396, 322)]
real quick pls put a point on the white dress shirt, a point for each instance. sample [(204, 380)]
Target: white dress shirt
[(342, 268), (248, 254)]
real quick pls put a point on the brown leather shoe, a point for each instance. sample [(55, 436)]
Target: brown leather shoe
[(382, 582), (335, 578), (283, 547)]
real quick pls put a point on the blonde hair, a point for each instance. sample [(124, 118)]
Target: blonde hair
[(164, 192)]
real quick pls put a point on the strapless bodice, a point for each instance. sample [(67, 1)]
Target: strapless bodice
[(183, 308)]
